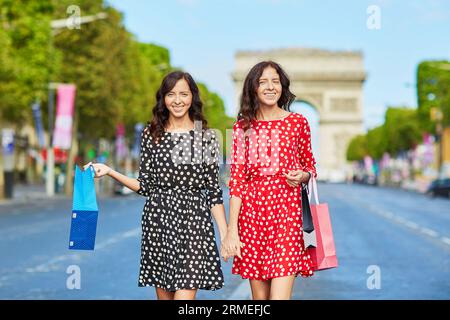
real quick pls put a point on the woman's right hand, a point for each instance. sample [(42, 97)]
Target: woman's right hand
[(100, 169), (231, 245)]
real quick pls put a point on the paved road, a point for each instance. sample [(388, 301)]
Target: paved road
[(404, 235)]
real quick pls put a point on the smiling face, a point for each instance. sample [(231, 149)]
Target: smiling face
[(179, 99), (269, 90)]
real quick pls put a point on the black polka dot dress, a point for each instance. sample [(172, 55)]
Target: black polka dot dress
[(179, 175)]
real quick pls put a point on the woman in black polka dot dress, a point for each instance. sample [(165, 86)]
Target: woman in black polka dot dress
[(179, 175)]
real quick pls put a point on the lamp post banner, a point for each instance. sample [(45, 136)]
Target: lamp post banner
[(64, 116)]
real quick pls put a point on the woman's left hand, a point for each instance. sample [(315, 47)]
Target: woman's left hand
[(296, 177)]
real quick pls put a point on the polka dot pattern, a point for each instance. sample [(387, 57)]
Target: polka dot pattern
[(270, 223), (179, 177)]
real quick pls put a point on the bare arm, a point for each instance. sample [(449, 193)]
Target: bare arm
[(218, 212), (211, 170), (128, 182), (102, 170), (237, 185), (238, 177), (143, 183), (235, 208)]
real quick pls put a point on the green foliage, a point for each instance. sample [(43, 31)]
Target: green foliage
[(28, 58), (116, 76), (433, 84), (376, 142), (214, 110), (402, 129), (93, 59), (357, 148), (9, 89), (400, 132), (403, 126), (148, 63)]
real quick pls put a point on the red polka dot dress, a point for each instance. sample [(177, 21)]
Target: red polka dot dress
[(270, 223)]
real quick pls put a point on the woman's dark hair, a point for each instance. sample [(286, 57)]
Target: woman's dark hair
[(249, 98), (161, 113)]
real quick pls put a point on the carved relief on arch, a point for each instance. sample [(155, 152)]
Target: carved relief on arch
[(344, 105)]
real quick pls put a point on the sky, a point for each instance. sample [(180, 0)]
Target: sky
[(204, 35)]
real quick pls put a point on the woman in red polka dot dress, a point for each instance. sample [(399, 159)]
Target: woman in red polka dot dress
[(271, 158)]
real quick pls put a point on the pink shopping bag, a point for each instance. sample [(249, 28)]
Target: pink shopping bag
[(323, 255)]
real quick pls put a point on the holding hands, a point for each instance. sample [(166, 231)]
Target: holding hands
[(231, 245)]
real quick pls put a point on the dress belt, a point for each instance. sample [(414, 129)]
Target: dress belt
[(266, 177), (172, 189)]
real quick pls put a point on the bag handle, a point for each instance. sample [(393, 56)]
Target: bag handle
[(92, 170), (312, 182), (91, 167)]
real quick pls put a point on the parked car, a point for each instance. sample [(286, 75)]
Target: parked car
[(365, 179), (439, 187)]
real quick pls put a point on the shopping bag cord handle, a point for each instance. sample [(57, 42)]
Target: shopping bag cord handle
[(312, 182)]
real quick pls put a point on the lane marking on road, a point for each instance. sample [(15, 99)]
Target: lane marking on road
[(3, 280), (128, 234), (54, 264), (400, 220), (387, 214), (412, 225), (429, 232), (445, 240), (242, 292)]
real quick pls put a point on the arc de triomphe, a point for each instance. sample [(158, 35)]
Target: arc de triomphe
[(331, 82)]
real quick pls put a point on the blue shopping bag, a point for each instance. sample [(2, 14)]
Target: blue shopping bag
[(84, 211)]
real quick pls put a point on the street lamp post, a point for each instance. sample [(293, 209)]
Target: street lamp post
[(437, 116), (50, 181), (71, 23), (57, 27)]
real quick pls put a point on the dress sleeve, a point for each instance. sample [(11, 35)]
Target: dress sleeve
[(307, 160), (238, 171), (211, 169), (146, 181)]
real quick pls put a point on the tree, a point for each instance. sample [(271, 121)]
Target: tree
[(357, 148), (116, 76), (433, 83), (214, 111), (147, 65), (93, 59), (376, 142), (27, 57), (402, 129)]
